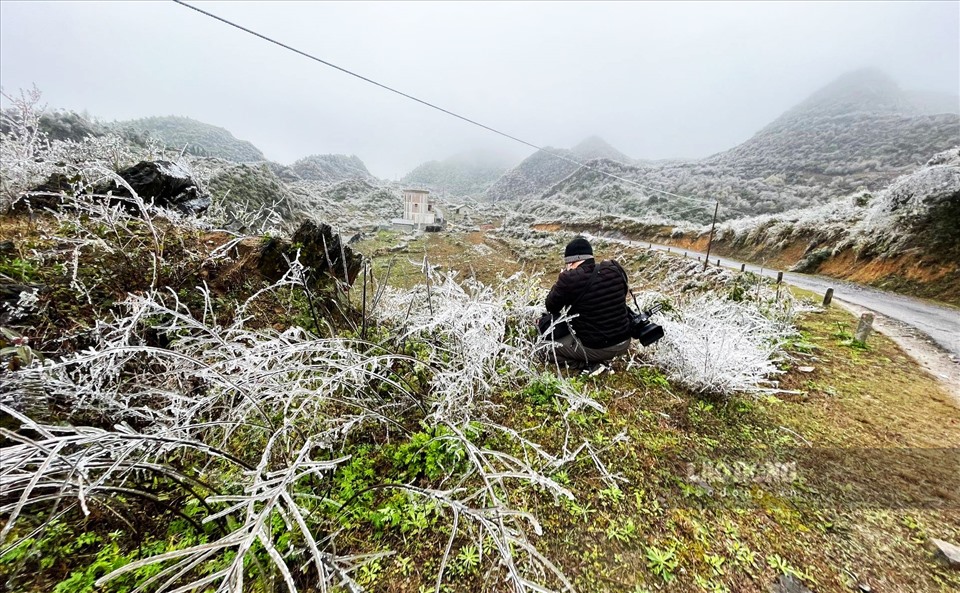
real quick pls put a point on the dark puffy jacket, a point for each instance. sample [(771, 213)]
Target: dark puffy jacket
[(602, 311)]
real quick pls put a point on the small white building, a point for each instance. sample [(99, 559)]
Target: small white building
[(418, 207), (419, 212)]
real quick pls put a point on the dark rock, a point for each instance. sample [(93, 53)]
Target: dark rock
[(164, 183), (10, 292), (321, 250), (46, 196), (788, 584), (7, 248), (325, 253), (271, 263)]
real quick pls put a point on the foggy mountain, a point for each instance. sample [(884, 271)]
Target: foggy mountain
[(466, 174), (541, 170), (331, 168), (859, 131), (862, 124), (196, 138)]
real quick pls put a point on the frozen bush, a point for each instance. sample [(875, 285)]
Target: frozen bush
[(720, 347)]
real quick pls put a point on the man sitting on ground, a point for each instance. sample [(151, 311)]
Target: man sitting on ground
[(596, 294)]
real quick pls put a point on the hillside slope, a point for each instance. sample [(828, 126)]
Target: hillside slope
[(905, 237), (541, 170), (466, 174), (193, 137), (859, 131), (861, 125), (331, 168)]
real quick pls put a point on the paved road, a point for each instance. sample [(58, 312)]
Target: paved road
[(939, 322)]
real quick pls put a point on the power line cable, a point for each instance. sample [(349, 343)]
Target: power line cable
[(431, 105)]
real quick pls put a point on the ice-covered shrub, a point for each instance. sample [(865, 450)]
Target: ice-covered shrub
[(482, 331), (263, 419), (23, 141), (28, 158), (920, 208), (718, 346)]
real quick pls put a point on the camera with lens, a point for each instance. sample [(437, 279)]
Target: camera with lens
[(641, 328)]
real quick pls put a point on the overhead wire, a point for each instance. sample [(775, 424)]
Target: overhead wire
[(437, 107)]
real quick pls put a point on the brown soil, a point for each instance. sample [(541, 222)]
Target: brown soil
[(551, 228)]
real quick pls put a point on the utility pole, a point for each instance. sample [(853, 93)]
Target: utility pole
[(712, 229)]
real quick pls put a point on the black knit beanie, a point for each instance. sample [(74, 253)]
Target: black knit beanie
[(577, 250)]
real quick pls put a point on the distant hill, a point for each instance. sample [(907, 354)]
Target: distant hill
[(595, 147), (862, 124), (466, 174), (541, 170), (59, 125), (196, 138), (248, 192), (589, 190), (69, 125), (331, 168), (859, 131)]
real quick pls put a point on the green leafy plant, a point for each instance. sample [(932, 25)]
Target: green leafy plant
[(432, 453), (17, 347), (715, 562), (779, 564), (21, 270), (622, 531), (542, 390), (405, 565), (467, 560), (662, 562)]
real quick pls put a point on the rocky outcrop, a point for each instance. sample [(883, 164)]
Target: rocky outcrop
[(788, 584), (947, 553), (161, 183), (46, 196), (321, 250), (164, 183)]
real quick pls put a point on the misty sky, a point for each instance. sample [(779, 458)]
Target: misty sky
[(654, 80)]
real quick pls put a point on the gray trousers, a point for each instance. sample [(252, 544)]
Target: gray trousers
[(568, 350)]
